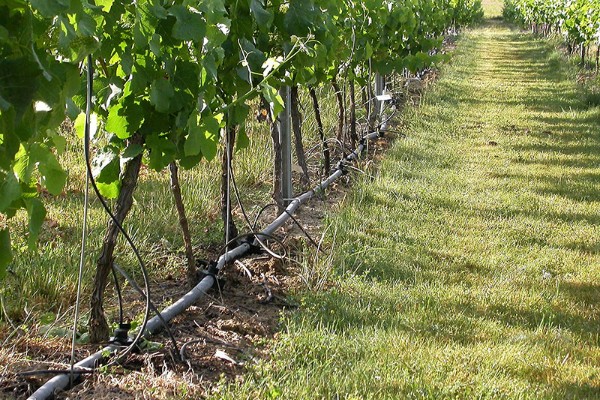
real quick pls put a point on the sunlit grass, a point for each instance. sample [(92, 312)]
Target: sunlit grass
[(469, 266), (492, 8)]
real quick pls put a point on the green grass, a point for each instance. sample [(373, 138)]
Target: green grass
[(492, 8), (469, 266)]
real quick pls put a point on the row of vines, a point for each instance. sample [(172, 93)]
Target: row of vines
[(578, 21), (174, 79)]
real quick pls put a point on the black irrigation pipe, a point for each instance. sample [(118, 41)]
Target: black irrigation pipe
[(154, 325)]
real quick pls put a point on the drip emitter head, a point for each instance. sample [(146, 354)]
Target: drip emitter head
[(121, 335)]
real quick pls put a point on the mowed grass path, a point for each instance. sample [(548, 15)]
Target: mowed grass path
[(469, 266)]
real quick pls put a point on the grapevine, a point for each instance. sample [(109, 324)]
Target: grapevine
[(171, 75), (577, 21)]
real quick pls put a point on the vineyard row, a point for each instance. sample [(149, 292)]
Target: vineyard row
[(172, 79), (578, 21)]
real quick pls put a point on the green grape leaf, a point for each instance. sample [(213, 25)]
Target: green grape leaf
[(213, 8), (51, 8), (189, 25), (124, 119), (147, 345), (22, 167), (79, 125), (263, 18), (52, 174), (19, 81), (161, 151), (10, 190), (158, 11), (192, 146), (109, 190), (83, 338), (140, 79), (132, 151), (85, 25), (272, 96), (106, 167), (254, 59), (60, 142), (116, 122), (210, 66), (105, 4), (37, 214), (243, 141), (146, 23), (368, 50), (238, 114), (210, 138), (155, 45), (190, 162), (4, 34), (5, 251), (423, 59), (203, 137), (161, 93), (4, 105), (299, 17)]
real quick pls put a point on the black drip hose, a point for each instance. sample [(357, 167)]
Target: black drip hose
[(255, 235), (311, 240)]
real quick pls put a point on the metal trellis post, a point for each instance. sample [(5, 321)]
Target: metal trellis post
[(379, 87), (285, 139)]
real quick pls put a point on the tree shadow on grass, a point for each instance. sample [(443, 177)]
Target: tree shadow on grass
[(584, 294), (579, 390), (446, 321)]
